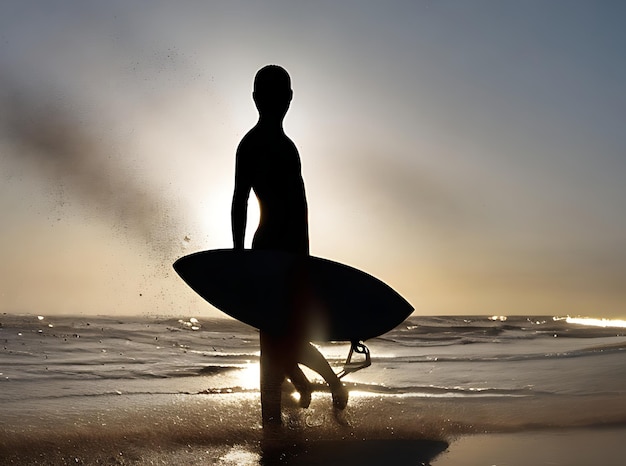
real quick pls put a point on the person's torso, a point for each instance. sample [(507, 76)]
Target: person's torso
[(277, 182)]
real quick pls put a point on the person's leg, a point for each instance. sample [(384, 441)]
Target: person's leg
[(302, 384), (312, 358), (272, 375)]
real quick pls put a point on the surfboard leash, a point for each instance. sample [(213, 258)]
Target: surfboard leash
[(349, 366)]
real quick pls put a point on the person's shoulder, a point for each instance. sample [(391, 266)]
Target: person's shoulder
[(289, 146), (290, 142), (249, 141)]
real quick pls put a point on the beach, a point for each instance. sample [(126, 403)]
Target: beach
[(183, 429), (440, 391)]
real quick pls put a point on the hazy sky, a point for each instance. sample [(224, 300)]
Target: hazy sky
[(470, 153)]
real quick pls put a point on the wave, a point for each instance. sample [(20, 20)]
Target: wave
[(405, 391), (448, 331), (597, 350), (97, 373), (356, 389)]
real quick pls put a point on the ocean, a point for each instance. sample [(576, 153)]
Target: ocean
[(149, 390)]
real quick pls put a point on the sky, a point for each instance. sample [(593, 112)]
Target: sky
[(471, 154)]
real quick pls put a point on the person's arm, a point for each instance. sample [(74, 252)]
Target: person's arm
[(239, 209)]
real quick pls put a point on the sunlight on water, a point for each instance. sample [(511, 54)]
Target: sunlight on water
[(498, 318), (192, 323), (239, 456), (596, 322), (248, 377)]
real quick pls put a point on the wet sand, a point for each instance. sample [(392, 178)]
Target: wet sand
[(564, 447), (183, 430), (574, 447)]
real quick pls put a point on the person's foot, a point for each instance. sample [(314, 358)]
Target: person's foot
[(340, 396), (304, 389), (305, 395)]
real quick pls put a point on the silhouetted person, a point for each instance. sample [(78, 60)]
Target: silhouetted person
[(268, 162)]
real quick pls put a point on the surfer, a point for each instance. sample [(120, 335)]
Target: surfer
[(268, 162)]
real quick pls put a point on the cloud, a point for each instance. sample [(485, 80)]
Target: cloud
[(46, 134)]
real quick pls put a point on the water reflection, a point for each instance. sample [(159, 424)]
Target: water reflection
[(596, 322)]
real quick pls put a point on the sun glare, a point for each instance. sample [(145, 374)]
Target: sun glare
[(596, 322), (248, 376), (214, 218), (254, 215)]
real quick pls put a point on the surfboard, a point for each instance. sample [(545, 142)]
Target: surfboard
[(279, 292)]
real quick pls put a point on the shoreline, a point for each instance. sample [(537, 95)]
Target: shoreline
[(225, 430), (554, 447)]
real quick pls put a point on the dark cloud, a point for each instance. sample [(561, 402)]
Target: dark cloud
[(48, 135)]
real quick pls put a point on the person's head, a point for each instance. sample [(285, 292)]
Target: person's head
[(272, 91)]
